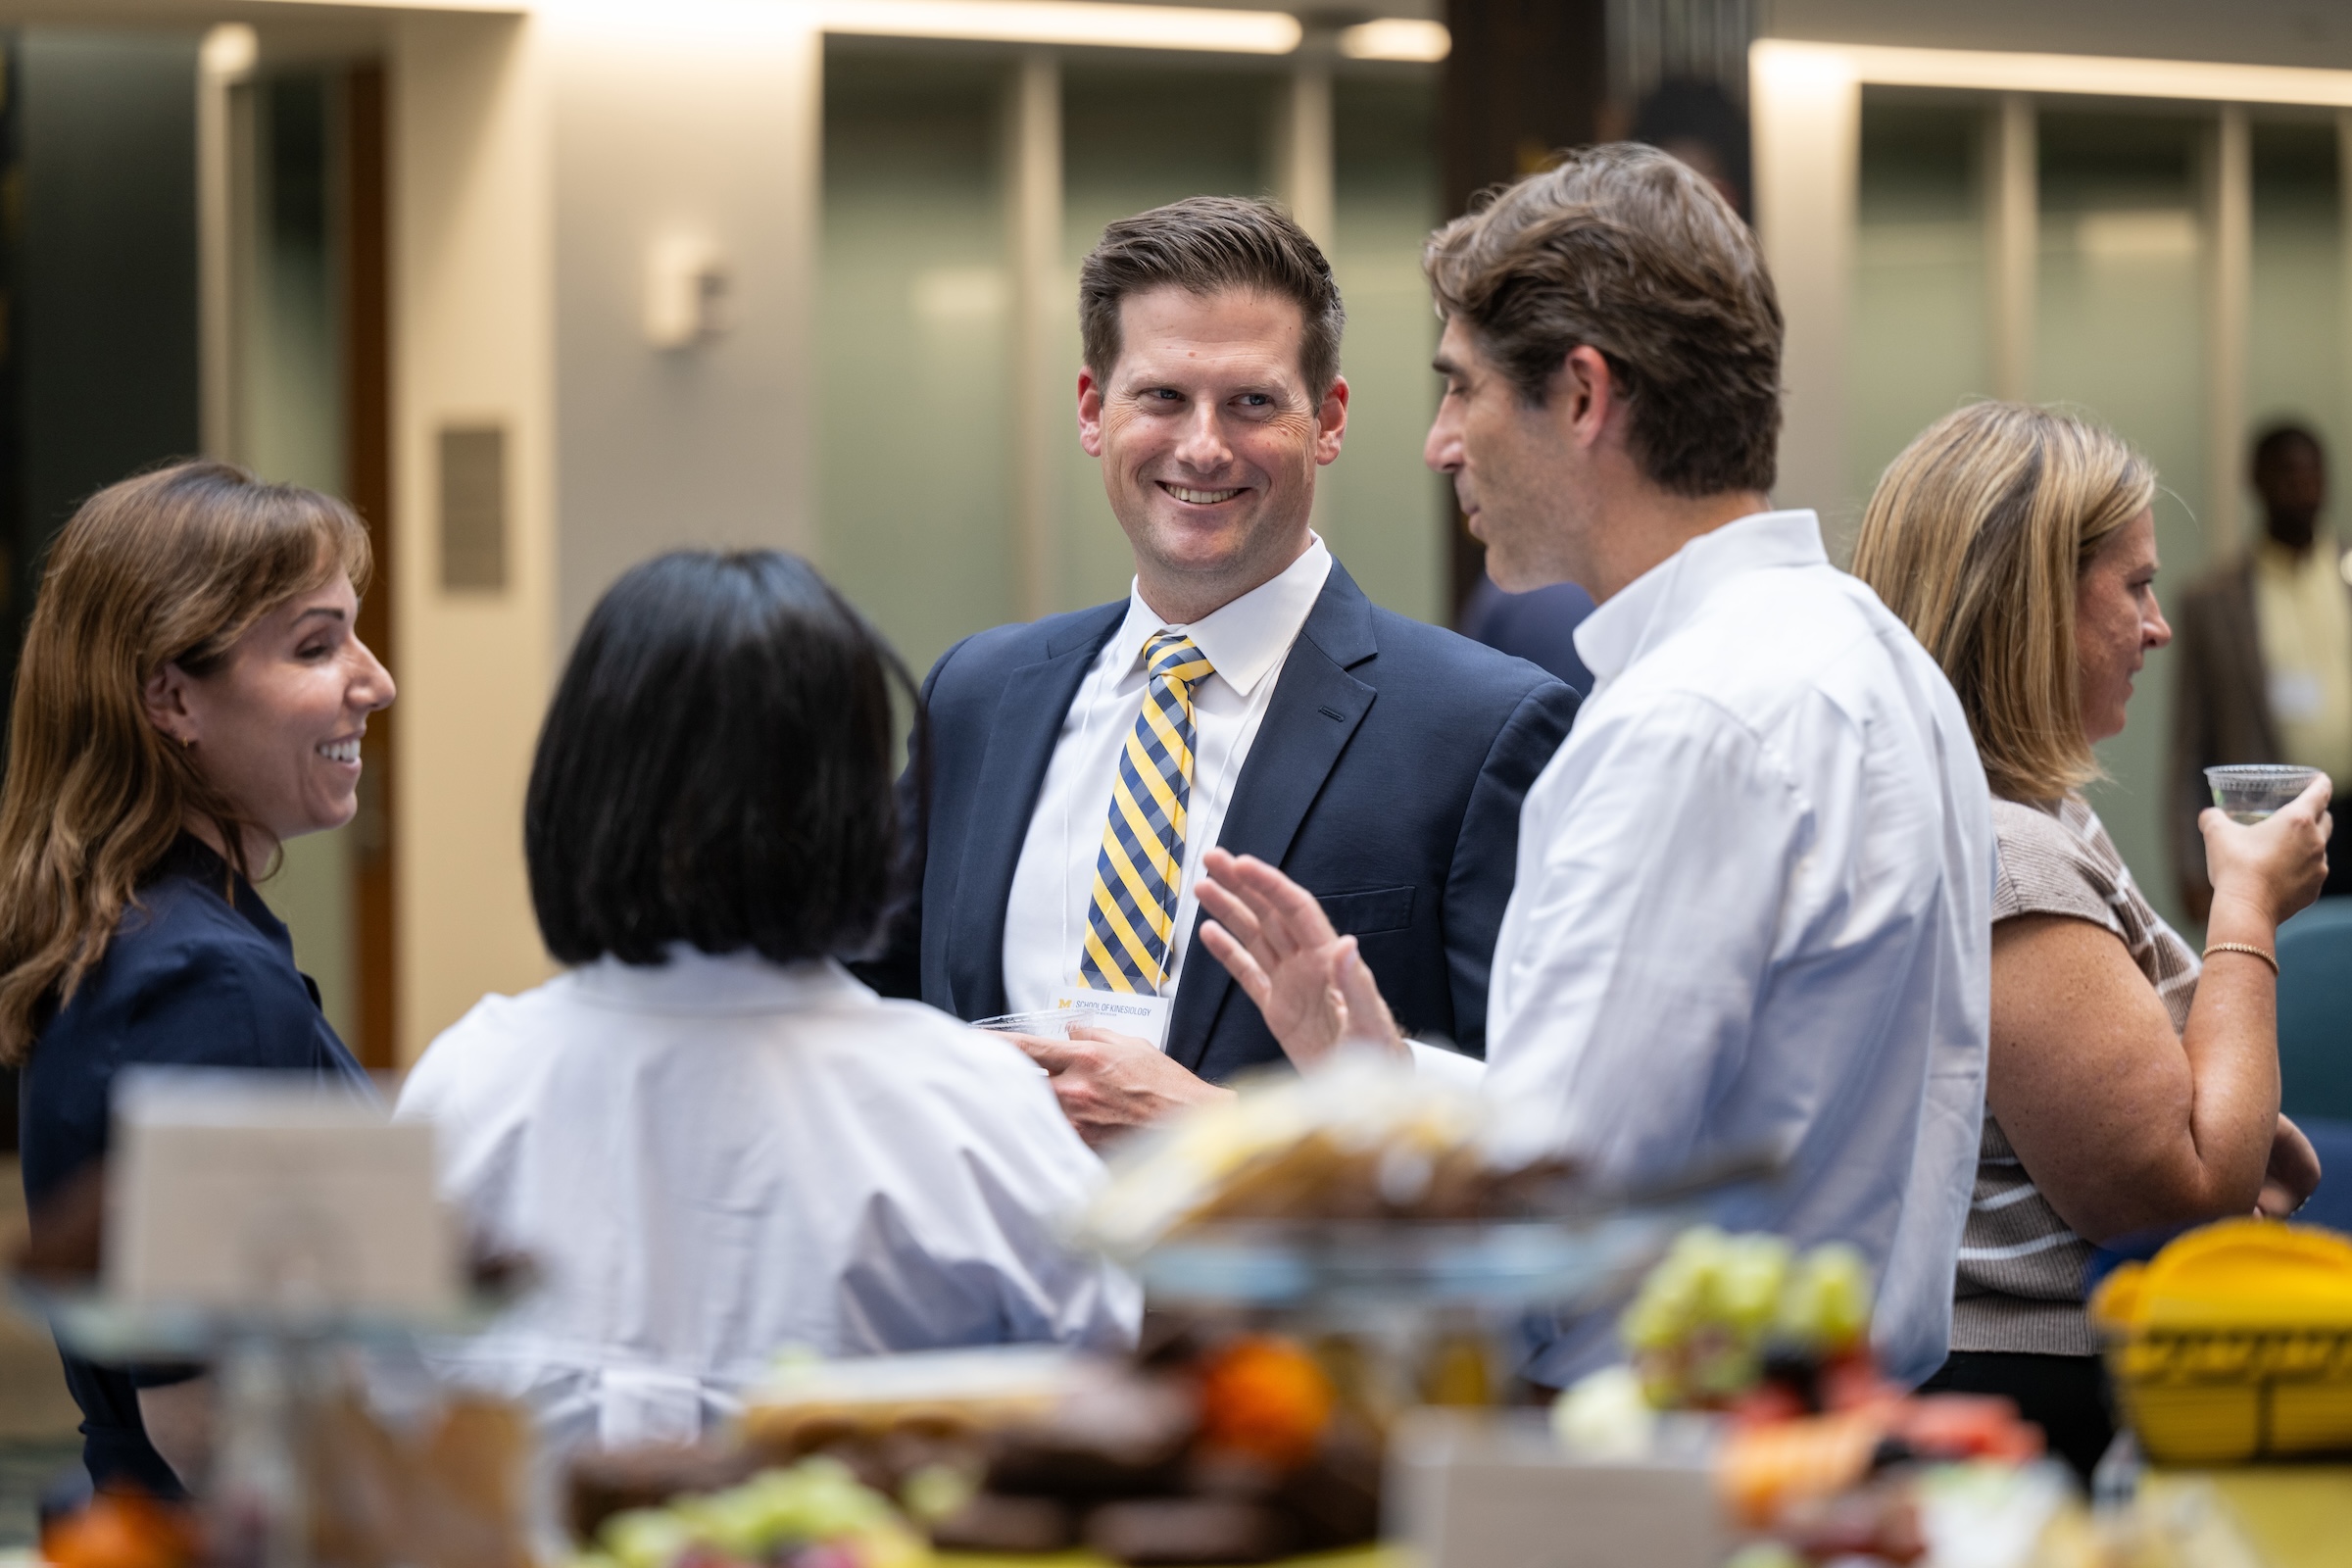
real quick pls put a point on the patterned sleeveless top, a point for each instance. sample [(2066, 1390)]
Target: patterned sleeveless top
[(2019, 1282)]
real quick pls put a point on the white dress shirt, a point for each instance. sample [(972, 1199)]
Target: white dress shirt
[(1752, 914), (1247, 641), (720, 1157)]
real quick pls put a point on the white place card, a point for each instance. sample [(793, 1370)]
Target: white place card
[(271, 1193)]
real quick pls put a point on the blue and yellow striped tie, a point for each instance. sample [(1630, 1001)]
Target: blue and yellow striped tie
[(1141, 870)]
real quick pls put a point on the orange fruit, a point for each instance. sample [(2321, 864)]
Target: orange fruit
[(1267, 1397)]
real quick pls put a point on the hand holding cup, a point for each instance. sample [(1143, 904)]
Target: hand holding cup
[(2270, 862)]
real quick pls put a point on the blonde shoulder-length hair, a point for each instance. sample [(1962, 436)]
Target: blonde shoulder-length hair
[(170, 567), (1975, 537)]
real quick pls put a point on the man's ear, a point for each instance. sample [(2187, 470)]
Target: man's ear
[(1330, 421), (166, 698), (1584, 395), (1089, 413)]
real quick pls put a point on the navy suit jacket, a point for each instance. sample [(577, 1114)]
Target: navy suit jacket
[(1385, 779)]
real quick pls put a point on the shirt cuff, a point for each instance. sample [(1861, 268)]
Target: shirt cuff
[(1447, 1067)]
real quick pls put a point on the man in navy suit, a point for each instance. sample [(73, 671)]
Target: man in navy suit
[(1245, 694)]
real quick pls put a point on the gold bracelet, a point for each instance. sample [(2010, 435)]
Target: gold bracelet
[(2249, 950)]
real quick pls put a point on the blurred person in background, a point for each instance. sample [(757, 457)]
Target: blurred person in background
[(1695, 121), (1750, 912), (192, 695), (2130, 1086), (2265, 656), (1539, 626), (714, 1140), (1245, 691)]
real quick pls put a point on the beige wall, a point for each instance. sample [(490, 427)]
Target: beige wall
[(537, 160), (694, 120), (1807, 116), (472, 230)]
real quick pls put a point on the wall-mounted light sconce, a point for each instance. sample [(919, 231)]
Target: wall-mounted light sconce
[(686, 283)]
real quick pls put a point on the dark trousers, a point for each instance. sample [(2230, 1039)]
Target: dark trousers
[(2339, 852), (2066, 1395)]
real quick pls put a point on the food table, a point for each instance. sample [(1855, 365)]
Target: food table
[(2293, 1516), (1378, 1556)]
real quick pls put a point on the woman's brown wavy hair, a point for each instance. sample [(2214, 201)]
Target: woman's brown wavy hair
[(1975, 537), (170, 567)]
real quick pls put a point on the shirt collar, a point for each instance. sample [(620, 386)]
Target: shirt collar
[(1664, 598), (2323, 559), (192, 857), (691, 980), (1246, 639)]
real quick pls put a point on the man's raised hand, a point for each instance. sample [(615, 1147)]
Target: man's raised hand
[(1306, 978)]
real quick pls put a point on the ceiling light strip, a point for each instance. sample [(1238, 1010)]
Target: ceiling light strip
[(2098, 75), (1396, 38), (1051, 22)]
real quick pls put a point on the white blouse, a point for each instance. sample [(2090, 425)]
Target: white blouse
[(720, 1157)]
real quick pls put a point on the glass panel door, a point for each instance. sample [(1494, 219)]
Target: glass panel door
[(1922, 330), (913, 344), (2121, 324)]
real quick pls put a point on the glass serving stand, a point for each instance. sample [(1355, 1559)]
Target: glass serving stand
[(1412, 1312), (275, 1367)]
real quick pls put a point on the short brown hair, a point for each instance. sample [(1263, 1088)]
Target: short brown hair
[(1205, 245), (1975, 537), (1624, 249), (170, 567)]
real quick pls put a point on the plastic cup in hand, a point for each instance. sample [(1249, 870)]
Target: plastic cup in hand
[(2250, 792), (1051, 1022)]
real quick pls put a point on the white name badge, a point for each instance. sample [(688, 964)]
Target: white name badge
[(1129, 1013), (2295, 695)]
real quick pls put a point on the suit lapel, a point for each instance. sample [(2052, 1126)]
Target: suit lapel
[(1316, 710), (1028, 722)]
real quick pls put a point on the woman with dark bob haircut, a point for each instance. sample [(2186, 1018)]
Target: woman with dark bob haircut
[(716, 1140)]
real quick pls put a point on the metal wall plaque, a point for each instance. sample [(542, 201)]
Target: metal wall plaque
[(473, 507)]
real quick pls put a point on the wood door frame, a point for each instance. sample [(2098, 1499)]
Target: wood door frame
[(367, 483)]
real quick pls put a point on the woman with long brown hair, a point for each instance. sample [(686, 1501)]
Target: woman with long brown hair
[(2130, 1086), (191, 694)]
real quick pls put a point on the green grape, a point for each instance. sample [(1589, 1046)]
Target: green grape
[(935, 1491), (1845, 1293), (1749, 1285), (818, 1499), (1697, 1327), (1673, 1296), (1765, 1555), (1826, 1304), (737, 1524), (646, 1538)]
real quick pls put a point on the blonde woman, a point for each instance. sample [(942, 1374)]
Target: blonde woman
[(191, 696), (2131, 1086)]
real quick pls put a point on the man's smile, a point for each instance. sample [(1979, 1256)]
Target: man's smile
[(1194, 496)]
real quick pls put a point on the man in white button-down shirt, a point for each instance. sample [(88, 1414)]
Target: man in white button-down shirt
[(1752, 905)]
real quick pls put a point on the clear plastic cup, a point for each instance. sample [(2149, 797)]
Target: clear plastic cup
[(2250, 792), (1051, 1022)]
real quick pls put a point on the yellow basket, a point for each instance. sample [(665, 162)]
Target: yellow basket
[(2234, 1344)]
